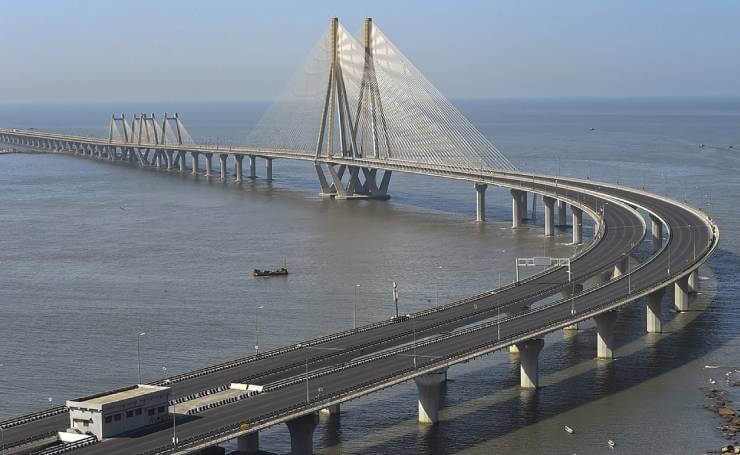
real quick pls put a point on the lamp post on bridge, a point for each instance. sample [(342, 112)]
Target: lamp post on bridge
[(306, 347), (138, 354), (257, 329), (354, 312)]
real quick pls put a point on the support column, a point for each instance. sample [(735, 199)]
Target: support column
[(480, 202), (620, 268), (182, 161), (252, 167), (222, 158), (605, 334), (430, 396), (524, 205), (656, 228), (249, 443), (562, 213), (209, 163), (681, 294), (529, 352), (577, 224), (238, 167), (694, 282), (194, 159), (301, 434), (516, 209), (170, 161), (332, 410), (549, 215), (268, 168), (654, 313)]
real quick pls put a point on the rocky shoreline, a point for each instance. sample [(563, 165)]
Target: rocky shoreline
[(721, 405)]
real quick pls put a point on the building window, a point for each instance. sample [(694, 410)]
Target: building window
[(108, 419), (151, 411), (138, 411), (160, 409), (129, 414), (117, 417)]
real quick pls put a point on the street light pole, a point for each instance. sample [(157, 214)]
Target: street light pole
[(138, 353), (257, 329), (175, 440), (354, 313)]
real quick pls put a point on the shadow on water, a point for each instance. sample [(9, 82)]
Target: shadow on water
[(602, 379)]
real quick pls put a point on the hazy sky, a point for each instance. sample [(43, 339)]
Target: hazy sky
[(90, 51)]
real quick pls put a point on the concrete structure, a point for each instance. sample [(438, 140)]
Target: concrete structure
[(654, 311), (252, 167), (620, 268), (516, 208), (238, 167), (268, 168), (577, 224), (681, 294), (480, 201), (430, 395), (222, 159), (656, 231), (605, 334), (549, 215), (562, 213), (332, 410), (125, 410), (301, 434), (529, 354), (693, 282), (249, 443)]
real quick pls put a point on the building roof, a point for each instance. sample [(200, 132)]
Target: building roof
[(133, 392)]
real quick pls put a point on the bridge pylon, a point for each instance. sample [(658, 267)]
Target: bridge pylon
[(349, 180)]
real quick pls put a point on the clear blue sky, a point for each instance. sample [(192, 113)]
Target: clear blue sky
[(97, 51)]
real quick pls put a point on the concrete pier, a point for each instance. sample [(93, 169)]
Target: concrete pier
[(170, 162), (524, 205), (480, 202), (562, 213), (516, 208), (268, 168), (332, 410), (301, 434), (222, 159), (620, 268), (430, 396), (181, 158), (252, 167), (577, 224), (249, 443), (238, 167), (209, 163), (654, 311), (694, 282), (529, 353), (656, 229), (681, 294), (194, 158), (605, 334), (549, 215)]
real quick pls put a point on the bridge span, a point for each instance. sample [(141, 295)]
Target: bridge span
[(301, 380)]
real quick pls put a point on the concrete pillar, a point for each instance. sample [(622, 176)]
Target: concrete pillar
[(268, 168), (332, 410), (169, 154), (430, 396), (654, 313), (620, 268), (577, 224), (238, 167), (249, 443), (524, 205), (252, 167), (222, 158), (694, 282), (562, 213), (194, 157), (549, 215), (209, 163), (157, 158), (182, 161), (480, 202), (605, 334), (681, 294), (656, 228), (516, 209), (529, 352), (301, 434)]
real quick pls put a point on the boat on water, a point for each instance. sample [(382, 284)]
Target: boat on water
[(268, 273), (568, 429), (611, 443)]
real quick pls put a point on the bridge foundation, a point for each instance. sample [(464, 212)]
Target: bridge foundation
[(209, 163), (249, 443), (252, 167), (654, 311), (181, 157), (577, 224), (268, 168), (169, 154), (516, 208), (620, 268), (524, 205), (694, 282), (562, 213), (238, 167), (222, 160), (301, 434), (529, 353), (430, 395), (194, 159), (480, 202), (681, 294), (549, 215), (656, 230), (332, 410), (605, 334)]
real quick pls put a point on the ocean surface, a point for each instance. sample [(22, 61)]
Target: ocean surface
[(92, 254)]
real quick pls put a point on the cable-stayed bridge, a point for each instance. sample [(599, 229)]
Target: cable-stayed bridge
[(360, 111)]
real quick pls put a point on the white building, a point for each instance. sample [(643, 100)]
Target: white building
[(126, 410)]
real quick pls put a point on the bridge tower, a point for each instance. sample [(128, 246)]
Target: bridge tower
[(361, 182)]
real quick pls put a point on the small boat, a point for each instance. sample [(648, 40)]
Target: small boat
[(568, 429), (611, 443), (268, 273), (712, 381)]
